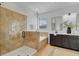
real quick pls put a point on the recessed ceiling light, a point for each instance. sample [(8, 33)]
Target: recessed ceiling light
[(69, 14)]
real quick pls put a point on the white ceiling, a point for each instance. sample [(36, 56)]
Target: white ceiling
[(42, 7)]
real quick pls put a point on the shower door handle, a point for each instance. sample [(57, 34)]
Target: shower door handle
[(23, 34)]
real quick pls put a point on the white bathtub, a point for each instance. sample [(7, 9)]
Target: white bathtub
[(22, 51), (42, 38)]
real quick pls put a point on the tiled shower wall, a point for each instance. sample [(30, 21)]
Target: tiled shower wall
[(11, 26)]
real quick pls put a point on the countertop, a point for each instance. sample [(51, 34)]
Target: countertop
[(75, 34)]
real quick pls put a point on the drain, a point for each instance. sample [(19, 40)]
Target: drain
[(18, 55)]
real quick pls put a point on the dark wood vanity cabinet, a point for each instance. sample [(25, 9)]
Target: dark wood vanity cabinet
[(54, 40), (66, 41), (73, 42)]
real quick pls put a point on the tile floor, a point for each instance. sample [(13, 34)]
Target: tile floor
[(56, 51)]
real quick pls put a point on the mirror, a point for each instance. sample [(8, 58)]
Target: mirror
[(56, 24), (69, 21), (61, 23), (77, 22)]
